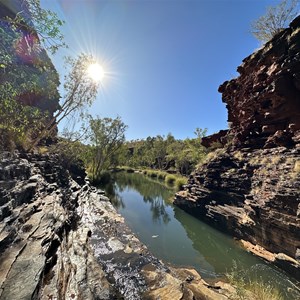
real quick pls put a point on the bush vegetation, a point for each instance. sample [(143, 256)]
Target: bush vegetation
[(251, 289), (170, 179), (165, 154), (180, 182)]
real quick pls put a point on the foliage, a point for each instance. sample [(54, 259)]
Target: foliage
[(106, 137), (17, 122), (180, 182), (165, 153), (38, 21), (80, 90), (71, 151), (161, 175), (102, 178), (275, 19), (213, 155), (170, 179), (29, 82)]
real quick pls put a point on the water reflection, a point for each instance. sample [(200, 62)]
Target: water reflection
[(180, 239), (152, 193), (114, 195)]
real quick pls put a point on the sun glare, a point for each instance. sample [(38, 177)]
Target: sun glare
[(96, 72)]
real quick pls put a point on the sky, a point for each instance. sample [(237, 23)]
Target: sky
[(163, 59)]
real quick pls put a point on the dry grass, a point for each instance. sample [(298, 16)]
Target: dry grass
[(267, 161), (238, 155), (297, 167), (214, 154), (251, 289)]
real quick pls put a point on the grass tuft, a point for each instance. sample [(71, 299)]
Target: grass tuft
[(170, 179), (251, 289), (297, 167), (180, 182)]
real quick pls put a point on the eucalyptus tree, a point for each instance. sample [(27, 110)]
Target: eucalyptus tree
[(106, 137)]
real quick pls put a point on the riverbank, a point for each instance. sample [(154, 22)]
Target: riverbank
[(62, 238), (179, 239), (170, 179)]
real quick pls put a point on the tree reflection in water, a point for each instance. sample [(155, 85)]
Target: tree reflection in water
[(153, 192), (115, 198), (182, 239)]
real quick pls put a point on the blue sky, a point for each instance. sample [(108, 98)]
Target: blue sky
[(164, 59)]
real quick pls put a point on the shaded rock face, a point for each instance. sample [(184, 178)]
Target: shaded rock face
[(250, 188), (264, 101), (253, 196), (217, 138), (63, 240), (27, 55)]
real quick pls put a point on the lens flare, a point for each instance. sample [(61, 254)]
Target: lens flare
[(95, 72)]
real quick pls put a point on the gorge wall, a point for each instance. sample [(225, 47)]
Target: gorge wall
[(250, 188), (28, 80), (61, 238)]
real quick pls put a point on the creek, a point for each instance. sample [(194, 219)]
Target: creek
[(180, 239)]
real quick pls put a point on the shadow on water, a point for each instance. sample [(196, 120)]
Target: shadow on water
[(182, 240)]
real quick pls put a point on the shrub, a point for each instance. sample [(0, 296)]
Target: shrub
[(152, 174), (180, 182), (212, 156), (170, 179), (275, 19), (238, 155), (161, 175)]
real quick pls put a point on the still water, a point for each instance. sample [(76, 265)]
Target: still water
[(179, 238)]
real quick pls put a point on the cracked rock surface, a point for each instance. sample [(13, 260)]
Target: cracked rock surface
[(63, 239)]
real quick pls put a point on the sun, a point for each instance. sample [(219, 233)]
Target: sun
[(96, 72)]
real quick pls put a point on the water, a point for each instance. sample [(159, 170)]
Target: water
[(182, 240)]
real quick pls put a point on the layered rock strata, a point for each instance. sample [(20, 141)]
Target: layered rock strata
[(63, 240), (250, 187), (263, 103)]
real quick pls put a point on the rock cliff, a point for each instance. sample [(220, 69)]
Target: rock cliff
[(61, 238), (250, 187)]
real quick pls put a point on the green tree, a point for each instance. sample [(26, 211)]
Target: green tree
[(28, 89), (17, 122), (275, 19), (106, 137)]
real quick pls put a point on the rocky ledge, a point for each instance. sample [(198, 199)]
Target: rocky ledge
[(254, 196), (250, 187), (60, 238)]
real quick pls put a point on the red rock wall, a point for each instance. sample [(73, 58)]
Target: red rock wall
[(250, 188), (264, 101)]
